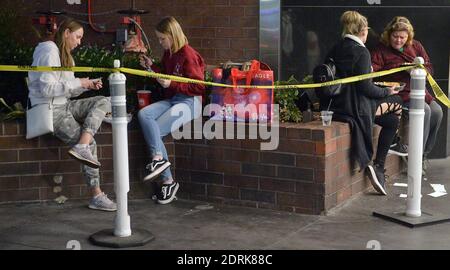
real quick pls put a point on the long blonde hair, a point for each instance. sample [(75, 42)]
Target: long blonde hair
[(64, 50), (353, 23), (398, 23), (169, 26)]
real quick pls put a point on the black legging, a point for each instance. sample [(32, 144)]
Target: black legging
[(389, 121)]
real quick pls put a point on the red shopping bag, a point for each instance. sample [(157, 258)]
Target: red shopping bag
[(243, 104)]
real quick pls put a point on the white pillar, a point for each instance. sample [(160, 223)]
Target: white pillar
[(120, 151), (415, 148)]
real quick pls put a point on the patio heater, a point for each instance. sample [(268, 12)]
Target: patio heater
[(121, 236), (413, 216), (131, 35), (48, 19)]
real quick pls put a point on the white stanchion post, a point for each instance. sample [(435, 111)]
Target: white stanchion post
[(120, 151), (415, 148)]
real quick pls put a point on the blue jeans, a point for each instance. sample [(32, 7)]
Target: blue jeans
[(157, 120)]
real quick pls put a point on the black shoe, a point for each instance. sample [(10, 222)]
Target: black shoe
[(155, 168), (398, 149), (377, 178), (168, 192)]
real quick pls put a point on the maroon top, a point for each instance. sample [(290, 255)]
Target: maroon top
[(188, 63), (384, 58)]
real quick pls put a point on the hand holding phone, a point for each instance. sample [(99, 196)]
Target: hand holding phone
[(97, 83)]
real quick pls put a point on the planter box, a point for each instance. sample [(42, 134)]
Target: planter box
[(309, 172)]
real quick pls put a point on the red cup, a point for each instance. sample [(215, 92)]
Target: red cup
[(144, 98)]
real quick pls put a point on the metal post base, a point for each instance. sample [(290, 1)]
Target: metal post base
[(106, 238), (424, 220)]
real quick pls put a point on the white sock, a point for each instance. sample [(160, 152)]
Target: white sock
[(79, 145), (168, 182)]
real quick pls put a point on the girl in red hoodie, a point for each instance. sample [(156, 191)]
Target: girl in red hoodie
[(182, 103)]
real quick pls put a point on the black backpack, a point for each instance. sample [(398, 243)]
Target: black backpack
[(324, 73)]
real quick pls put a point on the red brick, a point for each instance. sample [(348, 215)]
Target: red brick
[(274, 184), (207, 53), (201, 33), (298, 132), (296, 173), (247, 21), (19, 168), (36, 181), (190, 163), (302, 201), (296, 146), (326, 148), (183, 150), (227, 167), (194, 188), (8, 155), (9, 183), (60, 167), (241, 155), (216, 21), (207, 177), (19, 195), (251, 11), (226, 32), (221, 43), (259, 196), (49, 140), (221, 191), (242, 43), (241, 3), (182, 175), (241, 181), (107, 151), (15, 142), (344, 142), (10, 128), (39, 154), (229, 53), (305, 187), (276, 158), (250, 33), (309, 161), (323, 134), (233, 11), (256, 169)]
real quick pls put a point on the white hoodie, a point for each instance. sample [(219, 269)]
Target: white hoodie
[(56, 85)]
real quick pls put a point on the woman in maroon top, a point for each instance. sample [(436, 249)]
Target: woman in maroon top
[(182, 104), (397, 47)]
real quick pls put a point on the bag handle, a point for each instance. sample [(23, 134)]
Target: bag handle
[(248, 75)]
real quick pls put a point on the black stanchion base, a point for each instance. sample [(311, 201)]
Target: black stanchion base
[(424, 220), (106, 238)]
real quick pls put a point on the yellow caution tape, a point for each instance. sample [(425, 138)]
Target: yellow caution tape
[(436, 89), (438, 93), (188, 80)]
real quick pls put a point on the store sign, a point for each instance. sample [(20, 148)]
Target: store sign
[(74, 2), (374, 2)]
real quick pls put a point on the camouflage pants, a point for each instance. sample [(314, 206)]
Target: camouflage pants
[(78, 116)]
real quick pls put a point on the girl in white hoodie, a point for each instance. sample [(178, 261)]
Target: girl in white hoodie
[(75, 121)]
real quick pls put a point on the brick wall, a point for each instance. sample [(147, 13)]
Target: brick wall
[(219, 29), (28, 167), (310, 171)]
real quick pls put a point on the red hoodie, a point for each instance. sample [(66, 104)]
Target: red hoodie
[(188, 63), (384, 58)]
